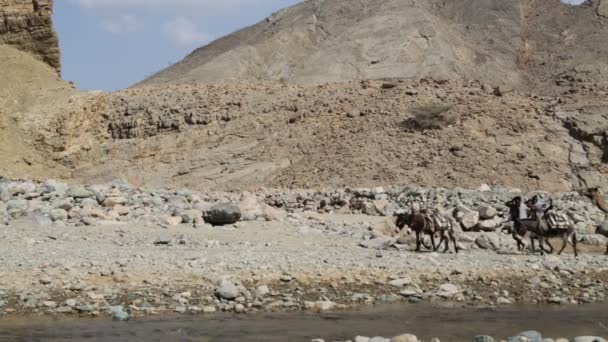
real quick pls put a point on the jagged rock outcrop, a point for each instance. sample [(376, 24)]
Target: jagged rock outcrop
[(27, 25)]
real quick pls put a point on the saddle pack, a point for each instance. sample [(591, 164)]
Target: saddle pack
[(439, 221), (558, 219)]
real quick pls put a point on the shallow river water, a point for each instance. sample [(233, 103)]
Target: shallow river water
[(426, 321)]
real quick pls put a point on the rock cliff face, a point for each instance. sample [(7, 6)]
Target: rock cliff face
[(27, 25)]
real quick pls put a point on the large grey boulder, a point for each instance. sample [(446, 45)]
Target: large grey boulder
[(227, 290), (468, 218), (487, 212), (222, 214), (79, 192), (489, 241)]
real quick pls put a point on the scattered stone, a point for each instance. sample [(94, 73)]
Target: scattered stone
[(378, 243), (119, 314), (447, 290), (320, 305), (49, 304), (262, 291), (174, 220), (111, 202), (209, 309), (401, 282)]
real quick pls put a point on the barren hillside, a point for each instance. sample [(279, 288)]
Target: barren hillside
[(341, 134), (522, 43)]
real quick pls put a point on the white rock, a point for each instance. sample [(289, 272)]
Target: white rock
[(405, 338), (447, 290)]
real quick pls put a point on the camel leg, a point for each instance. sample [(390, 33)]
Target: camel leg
[(533, 250), (453, 238), (564, 243), (520, 244), (423, 242), (433, 242), (550, 250), (574, 244), (541, 241), (417, 241), (444, 237)]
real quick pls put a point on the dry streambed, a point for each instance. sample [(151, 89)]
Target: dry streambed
[(126, 252)]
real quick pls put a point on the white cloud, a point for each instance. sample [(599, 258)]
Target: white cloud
[(185, 33), (121, 24)]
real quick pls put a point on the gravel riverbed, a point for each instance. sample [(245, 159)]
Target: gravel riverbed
[(117, 250)]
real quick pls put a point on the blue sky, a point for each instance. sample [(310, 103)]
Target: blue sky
[(111, 44)]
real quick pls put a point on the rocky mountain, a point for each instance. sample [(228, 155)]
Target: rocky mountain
[(27, 25), (428, 125), (520, 43)]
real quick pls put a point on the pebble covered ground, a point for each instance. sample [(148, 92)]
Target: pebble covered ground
[(117, 250)]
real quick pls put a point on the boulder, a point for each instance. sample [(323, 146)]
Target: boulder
[(222, 214), (486, 212), (468, 218), (110, 202), (370, 209), (447, 290), (21, 188), (79, 192), (227, 290), (489, 225), (250, 207), (490, 241), (385, 227), (56, 187)]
